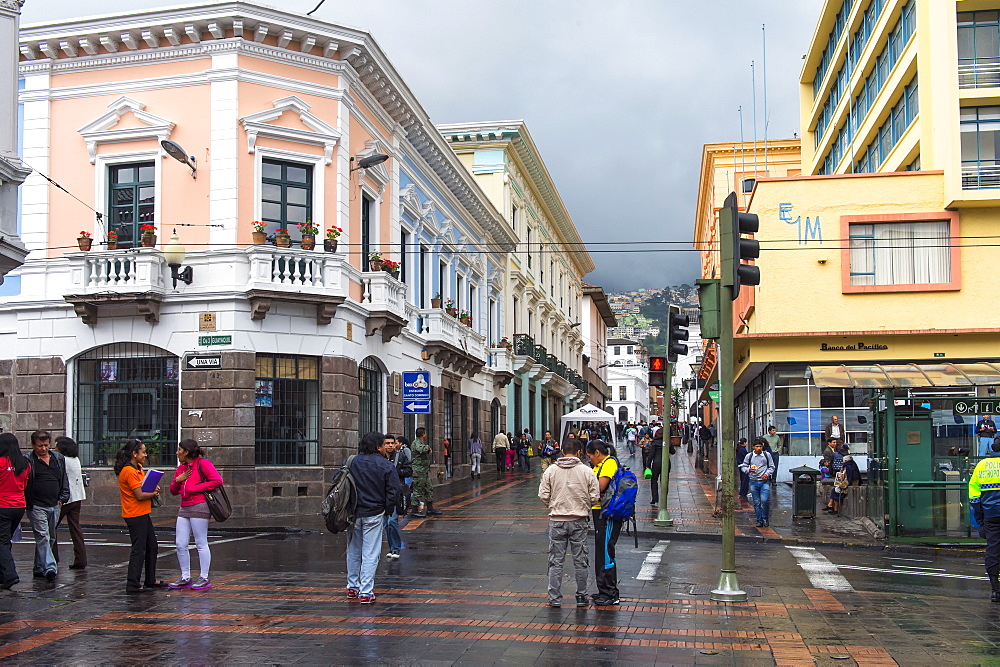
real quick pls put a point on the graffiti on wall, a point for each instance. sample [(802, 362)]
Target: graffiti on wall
[(810, 230)]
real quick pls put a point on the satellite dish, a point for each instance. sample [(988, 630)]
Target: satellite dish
[(175, 151)]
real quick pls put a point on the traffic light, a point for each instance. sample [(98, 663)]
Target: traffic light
[(740, 223), (677, 324), (657, 371)]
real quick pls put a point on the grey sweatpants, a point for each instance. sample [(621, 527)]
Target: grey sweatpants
[(570, 535)]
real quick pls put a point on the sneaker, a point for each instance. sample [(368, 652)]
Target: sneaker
[(352, 593), (366, 599), (50, 575), (555, 603), (181, 583), (994, 596), (581, 601), (392, 555), (760, 524), (201, 583), (767, 523), (603, 601)]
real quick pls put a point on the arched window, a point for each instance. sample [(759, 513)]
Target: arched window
[(370, 384), (124, 391), (623, 414)]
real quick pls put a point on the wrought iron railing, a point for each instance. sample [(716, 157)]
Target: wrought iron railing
[(524, 345)]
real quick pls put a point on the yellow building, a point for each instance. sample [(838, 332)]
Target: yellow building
[(876, 252)]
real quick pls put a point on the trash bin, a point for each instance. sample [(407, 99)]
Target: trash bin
[(804, 492)]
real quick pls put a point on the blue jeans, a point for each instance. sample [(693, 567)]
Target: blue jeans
[(985, 446), (391, 527), (761, 492), (364, 542), (43, 524)]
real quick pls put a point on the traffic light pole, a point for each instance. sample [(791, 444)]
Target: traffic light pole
[(728, 589), (663, 516)]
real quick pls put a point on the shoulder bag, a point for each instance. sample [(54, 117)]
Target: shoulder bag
[(217, 500)]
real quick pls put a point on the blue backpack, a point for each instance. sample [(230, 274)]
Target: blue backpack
[(618, 500)]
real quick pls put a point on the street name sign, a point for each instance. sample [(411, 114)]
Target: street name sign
[(203, 361), (976, 406), (417, 386), (215, 340), (416, 407)]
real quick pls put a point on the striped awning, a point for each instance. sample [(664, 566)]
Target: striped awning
[(902, 376)]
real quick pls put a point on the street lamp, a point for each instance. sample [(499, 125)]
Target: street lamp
[(175, 151), (174, 254), (370, 161)]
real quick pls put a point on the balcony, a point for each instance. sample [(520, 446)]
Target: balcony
[(979, 75), (133, 279), (980, 176), (313, 278), (385, 298), (451, 343), (501, 362)]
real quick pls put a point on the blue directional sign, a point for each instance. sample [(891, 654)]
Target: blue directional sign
[(416, 407), (417, 386)]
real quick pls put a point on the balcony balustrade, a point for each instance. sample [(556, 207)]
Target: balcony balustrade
[(385, 298), (501, 362), (452, 343), (133, 278)]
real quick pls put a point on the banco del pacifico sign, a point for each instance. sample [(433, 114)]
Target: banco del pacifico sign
[(860, 346)]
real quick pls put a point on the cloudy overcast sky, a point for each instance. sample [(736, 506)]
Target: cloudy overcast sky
[(619, 95)]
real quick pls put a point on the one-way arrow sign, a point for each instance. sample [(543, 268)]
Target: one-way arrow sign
[(202, 362), (417, 407)]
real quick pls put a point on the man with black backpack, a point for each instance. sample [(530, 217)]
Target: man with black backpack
[(48, 489), (376, 490)]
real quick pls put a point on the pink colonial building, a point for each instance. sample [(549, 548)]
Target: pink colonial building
[(203, 120)]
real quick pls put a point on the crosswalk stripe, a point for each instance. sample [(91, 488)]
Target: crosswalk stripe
[(821, 572), (649, 566)]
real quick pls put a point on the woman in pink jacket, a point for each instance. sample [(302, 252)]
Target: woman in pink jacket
[(194, 476)]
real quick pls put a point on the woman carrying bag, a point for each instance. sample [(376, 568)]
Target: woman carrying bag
[(77, 494), (13, 479), (136, 507), (194, 476)]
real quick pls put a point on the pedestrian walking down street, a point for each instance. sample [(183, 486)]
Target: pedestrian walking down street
[(500, 445), (984, 496), (400, 459), (14, 473), (406, 489), (606, 531), (760, 467), (446, 452), (423, 492), (48, 488), (775, 448), (741, 454), (655, 466), (136, 507), (569, 489), (548, 450), (511, 451), (376, 488), (476, 455), (194, 476), (523, 463), (77, 494)]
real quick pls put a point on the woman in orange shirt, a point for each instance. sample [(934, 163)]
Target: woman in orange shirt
[(13, 478), (136, 506)]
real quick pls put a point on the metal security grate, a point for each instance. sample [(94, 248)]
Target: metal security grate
[(287, 410), (370, 382), (124, 391)]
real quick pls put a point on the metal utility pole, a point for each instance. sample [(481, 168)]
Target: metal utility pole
[(734, 273), (663, 515)]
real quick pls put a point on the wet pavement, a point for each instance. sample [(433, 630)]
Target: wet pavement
[(470, 589)]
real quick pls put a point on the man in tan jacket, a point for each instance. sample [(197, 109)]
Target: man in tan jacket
[(569, 489)]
